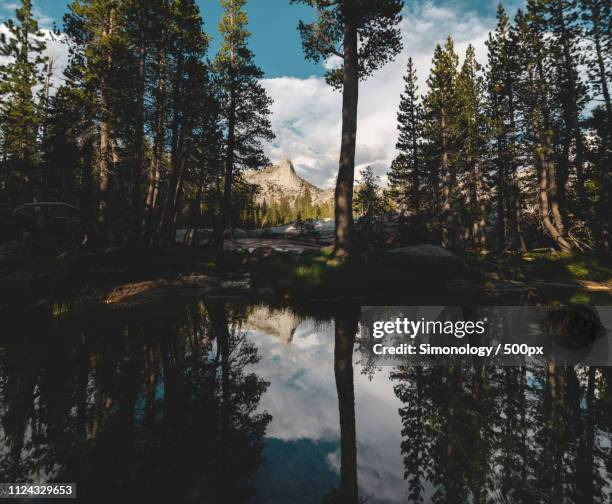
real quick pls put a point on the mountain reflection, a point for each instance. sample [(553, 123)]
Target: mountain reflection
[(220, 403)]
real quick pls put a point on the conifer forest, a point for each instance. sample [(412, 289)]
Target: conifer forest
[(209, 207)]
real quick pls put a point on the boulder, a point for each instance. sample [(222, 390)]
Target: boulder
[(239, 233), (265, 252), (423, 256)]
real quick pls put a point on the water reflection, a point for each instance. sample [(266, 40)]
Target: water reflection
[(225, 403), (153, 411), (529, 435)]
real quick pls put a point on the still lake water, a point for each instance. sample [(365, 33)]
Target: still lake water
[(217, 402)]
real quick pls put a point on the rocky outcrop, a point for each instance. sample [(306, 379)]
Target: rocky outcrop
[(281, 180), (280, 323)]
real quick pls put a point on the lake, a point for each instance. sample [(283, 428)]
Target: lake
[(216, 401)]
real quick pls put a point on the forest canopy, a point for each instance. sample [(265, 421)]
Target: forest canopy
[(148, 132)]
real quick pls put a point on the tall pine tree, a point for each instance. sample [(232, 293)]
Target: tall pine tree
[(364, 36), (566, 52), (20, 110), (440, 112), (597, 20), (245, 106), (501, 81), (535, 98), (404, 176), (472, 124), (99, 47)]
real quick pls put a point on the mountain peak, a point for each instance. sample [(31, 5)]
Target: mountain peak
[(280, 179), (286, 167)]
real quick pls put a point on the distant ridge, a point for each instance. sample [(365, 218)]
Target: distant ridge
[(280, 180)]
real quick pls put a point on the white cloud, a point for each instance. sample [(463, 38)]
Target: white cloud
[(7, 9), (303, 402), (307, 112), (56, 48)]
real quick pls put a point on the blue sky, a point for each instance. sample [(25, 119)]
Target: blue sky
[(273, 23)]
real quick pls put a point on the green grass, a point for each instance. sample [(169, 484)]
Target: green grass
[(323, 276), (546, 266)]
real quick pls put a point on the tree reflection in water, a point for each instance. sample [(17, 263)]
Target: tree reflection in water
[(345, 332), (168, 410), (160, 411), (512, 434)]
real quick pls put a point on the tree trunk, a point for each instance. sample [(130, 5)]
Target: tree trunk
[(544, 171), (139, 148), (346, 329), (224, 222), (103, 167), (447, 218), (501, 199), (516, 215), (585, 457), (416, 166), (104, 160), (478, 209), (176, 145), (547, 196), (572, 117), (222, 335), (175, 185), (346, 170), (149, 222), (87, 196), (516, 191)]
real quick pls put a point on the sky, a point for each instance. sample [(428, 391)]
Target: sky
[(302, 400), (306, 112)]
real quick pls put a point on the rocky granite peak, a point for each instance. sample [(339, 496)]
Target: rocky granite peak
[(281, 180)]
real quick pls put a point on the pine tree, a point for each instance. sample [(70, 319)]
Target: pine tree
[(307, 210), (501, 82), (368, 201), (404, 176), (95, 27), (440, 112), (370, 204), (188, 76), (473, 139), (245, 105), (597, 19), (160, 82), (143, 29), (20, 113), (364, 35), (535, 98), (566, 53)]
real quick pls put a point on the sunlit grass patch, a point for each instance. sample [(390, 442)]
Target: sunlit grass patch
[(312, 273), (581, 298), (546, 265)]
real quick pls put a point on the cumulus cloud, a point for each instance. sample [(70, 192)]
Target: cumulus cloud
[(303, 402), (56, 49), (307, 112)]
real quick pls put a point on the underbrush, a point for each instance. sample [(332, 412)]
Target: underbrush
[(322, 276), (550, 266)]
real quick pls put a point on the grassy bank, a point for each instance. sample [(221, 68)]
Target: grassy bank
[(320, 275), (549, 266), (96, 276)]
